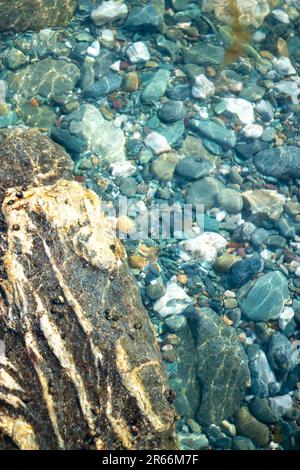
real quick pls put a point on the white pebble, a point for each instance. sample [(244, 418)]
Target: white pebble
[(206, 246), (94, 49), (203, 88), (137, 52), (283, 66), (253, 131), (122, 169), (285, 317), (108, 12), (281, 16), (173, 302), (157, 143)]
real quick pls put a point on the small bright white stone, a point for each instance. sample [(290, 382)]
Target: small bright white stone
[(253, 131), (297, 271), (138, 52), (203, 88), (94, 49), (108, 12), (116, 66), (285, 317), (242, 108), (283, 66), (122, 169), (173, 302), (157, 143), (206, 246), (281, 16)]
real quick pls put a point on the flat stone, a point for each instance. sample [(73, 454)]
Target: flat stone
[(149, 17), (164, 166), (172, 111), (216, 132), (46, 78), (264, 203), (157, 86), (266, 298), (230, 200), (280, 162), (242, 271), (206, 54), (108, 12), (193, 168), (173, 302), (204, 192), (221, 367), (250, 427), (21, 15), (101, 136)]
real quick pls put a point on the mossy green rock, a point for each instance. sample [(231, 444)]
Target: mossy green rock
[(266, 298), (20, 15)]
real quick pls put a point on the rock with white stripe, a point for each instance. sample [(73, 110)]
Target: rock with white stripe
[(79, 364)]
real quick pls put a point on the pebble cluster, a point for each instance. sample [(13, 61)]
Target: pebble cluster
[(139, 95)]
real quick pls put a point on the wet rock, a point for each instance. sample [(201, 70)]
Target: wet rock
[(250, 427), (204, 192), (137, 52), (203, 88), (282, 354), (280, 162), (204, 54), (263, 380), (149, 17), (242, 443), (264, 203), (157, 86), (193, 168), (205, 246), (157, 143), (266, 298), (21, 15), (260, 409), (242, 271), (172, 111), (222, 367), (74, 278), (250, 12), (99, 135), (230, 200), (243, 109), (173, 302), (108, 84), (108, 12), (281, 405), (46, 78), (216, 132), (193, 441), (163, 167), (14, 58)]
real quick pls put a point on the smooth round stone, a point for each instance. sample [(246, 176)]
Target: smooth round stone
[(138, 52), (164, 166), (242, 443), (266, 298), (178, 92), (230, 200), (193, 441), (224, 262), (204, 192), (258, 237), (269, 134), (250, 427), (131, 82), (175, 322), (191, 168), (260, 409), (252, 93), (128, 187), (242, 271), (172, 111), (156, 290)]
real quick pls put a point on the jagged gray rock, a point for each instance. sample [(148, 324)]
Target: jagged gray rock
[(79, 364)]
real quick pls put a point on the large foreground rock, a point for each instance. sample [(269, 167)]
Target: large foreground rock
[(20, 15), (222, 367), (79, 364)]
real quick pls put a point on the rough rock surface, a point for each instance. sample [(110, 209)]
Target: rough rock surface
[(280, 162), (222, 367), (20, 15), (79, 365)]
